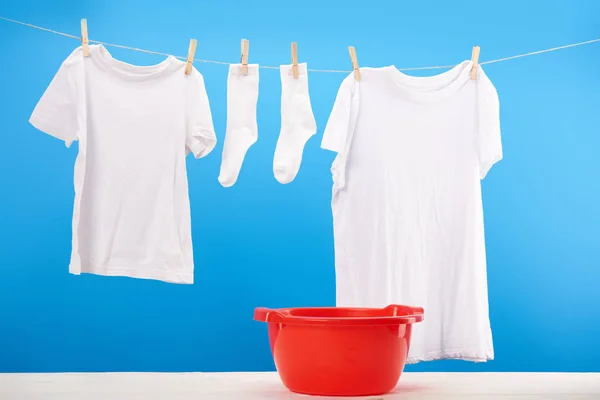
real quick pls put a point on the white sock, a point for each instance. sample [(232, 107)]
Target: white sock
[(242, 130), (297, 123)]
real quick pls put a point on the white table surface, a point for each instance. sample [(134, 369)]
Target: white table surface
[(266, 385)]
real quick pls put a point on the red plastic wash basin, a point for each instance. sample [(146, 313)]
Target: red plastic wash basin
[(340, 351)]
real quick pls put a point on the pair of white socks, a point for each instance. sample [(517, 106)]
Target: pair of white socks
[(297, 122)]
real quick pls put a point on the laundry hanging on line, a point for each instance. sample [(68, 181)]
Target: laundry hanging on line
[(513, 57), (121, 226), (125, 231), (135, 126)]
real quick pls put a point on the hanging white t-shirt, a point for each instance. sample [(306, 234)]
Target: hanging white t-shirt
[(135, 125), (407, 208)]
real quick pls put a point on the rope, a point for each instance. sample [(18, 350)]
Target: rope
[(311, 70)]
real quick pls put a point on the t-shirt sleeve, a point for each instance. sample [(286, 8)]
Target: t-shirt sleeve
[(56, 112), (488, 125), (339, 123), (200, 135)]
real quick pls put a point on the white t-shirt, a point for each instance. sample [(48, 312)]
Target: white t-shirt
[(135, 126), (407, 208)]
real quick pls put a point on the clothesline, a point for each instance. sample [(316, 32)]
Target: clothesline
[(310, 70)]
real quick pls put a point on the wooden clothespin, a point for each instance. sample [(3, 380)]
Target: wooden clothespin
[(475, 60), (190, 56), (352, 51), (85, 43), (295, 60), (245, 51)]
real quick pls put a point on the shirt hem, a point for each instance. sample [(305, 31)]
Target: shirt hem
[(140, 273), (466, 355)]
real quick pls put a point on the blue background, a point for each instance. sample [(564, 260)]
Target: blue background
[(261, 243)]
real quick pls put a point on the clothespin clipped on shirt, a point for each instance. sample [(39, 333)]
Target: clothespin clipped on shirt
[(475, 60), (244, 61), (295, 60), (190, 56), (354, 60), (84, 38)]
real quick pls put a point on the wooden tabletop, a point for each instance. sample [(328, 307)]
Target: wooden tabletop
[(266, 385)]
